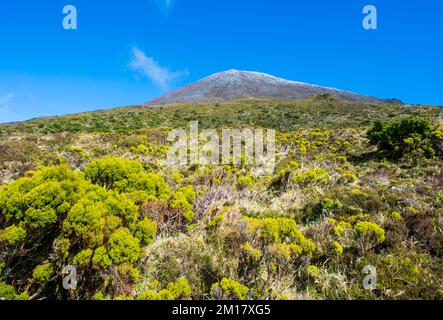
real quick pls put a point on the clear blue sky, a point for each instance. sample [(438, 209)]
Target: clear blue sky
[(127, 52)]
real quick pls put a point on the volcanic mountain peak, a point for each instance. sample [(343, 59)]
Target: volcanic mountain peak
[(240, 75), (236, 84)]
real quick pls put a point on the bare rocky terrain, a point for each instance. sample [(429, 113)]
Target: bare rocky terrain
[(235, 84)]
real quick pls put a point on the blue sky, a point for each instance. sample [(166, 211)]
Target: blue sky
[(128, 52)]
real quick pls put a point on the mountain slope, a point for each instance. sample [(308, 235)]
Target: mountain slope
[(234, 84), (283, 115)]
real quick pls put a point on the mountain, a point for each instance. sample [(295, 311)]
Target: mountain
[(235, 84)]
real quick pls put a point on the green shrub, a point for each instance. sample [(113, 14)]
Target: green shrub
[(123, 247), (396, 216), (216, 221), (7, 292), (369, 229), (314, 176), (370, 235), (274, 247), (313, 272), (410, 136), (13, 235), (281, 230), (403, 275), (146, 231), (83, 258), (245, 182), (230, 289), (84, 221), (43, 272), (182, 199), (110, 170), (338, 248), (101, 258), (144, 185), (68, 218), (178, 290)]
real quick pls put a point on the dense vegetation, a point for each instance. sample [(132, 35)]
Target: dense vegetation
[(355, 185), (323, 110)]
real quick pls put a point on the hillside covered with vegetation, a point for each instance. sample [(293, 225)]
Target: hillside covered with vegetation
[(355, 185)]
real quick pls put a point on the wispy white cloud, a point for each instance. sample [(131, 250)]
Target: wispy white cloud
[(4, 99), (168, 3), (6, 114), (164, 5), (148, 67)]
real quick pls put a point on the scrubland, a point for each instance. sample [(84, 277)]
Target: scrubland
[(355, 185)]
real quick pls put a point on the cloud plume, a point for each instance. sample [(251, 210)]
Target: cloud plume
[(164, 5), (6, 114), (4, 100), (148, 67)]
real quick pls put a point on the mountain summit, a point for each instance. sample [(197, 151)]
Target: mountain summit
[(235, 84)]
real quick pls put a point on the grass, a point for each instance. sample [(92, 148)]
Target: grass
[(326, 112)]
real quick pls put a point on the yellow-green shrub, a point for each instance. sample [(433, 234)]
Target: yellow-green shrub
[(231, 289), (13, 234), (312, 176), (178, 290), (370, 230), (43, 272)]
